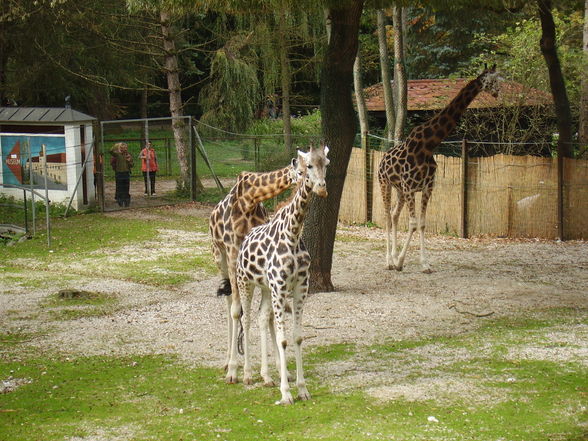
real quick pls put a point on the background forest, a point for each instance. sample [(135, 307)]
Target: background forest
[(238, 61)]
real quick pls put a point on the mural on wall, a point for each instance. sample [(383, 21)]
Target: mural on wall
[(27, 157)]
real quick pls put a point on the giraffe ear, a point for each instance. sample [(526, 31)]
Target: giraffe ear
[(304, 156), (294, 162), (326, 150)]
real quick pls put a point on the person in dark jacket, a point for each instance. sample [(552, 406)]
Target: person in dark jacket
[(122, 163)]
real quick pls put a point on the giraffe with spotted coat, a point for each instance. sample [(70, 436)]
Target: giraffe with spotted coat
[(233, 217), (409, 167), (274, 258)]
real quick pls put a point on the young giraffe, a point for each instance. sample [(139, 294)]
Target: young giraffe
[(410, 167), (234, 216), (273, 257)]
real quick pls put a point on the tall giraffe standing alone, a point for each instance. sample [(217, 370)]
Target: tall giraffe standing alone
[(410, 167), (273, 257), (234, 216)]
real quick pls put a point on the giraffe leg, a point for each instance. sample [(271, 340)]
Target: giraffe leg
[(395, 216), (297, 306), (229, 332), (246, 292), (265, 321), (412, 225), (272, 329), (424, 201), (235, 315), (278, 304), (220, 259), (385, 190)]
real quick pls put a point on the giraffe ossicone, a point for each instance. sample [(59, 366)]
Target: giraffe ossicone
[(274, 258), (409, 167)]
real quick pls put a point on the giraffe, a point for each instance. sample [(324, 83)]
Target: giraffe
[(234, 216), (274, 258), (409, 167)]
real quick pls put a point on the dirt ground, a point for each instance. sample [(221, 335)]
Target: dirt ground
[(472, 280)]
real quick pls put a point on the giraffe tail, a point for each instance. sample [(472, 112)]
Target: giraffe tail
[(224, 289)]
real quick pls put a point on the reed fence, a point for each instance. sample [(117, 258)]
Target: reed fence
[(501, 196)]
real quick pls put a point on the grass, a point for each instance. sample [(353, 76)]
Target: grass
[(158, 397), (85, 244)]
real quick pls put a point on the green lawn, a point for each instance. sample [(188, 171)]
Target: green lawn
[(157, 397)]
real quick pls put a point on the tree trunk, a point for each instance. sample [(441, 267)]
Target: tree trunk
[(360, 98), (179, 125), (556, 80), (386, 77), (583, 130), (285, 80), (338, 128), (400, 82)]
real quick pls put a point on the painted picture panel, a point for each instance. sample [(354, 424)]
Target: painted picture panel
[(28, 157)]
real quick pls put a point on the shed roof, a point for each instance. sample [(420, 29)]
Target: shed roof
[(435, 94), (42, 115)]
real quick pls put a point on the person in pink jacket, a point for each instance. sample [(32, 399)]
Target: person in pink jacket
[(149, 168)]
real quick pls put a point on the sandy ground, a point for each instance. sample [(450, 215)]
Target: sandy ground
[(472, 280)]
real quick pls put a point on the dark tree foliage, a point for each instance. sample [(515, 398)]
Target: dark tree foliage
[(441, 43)]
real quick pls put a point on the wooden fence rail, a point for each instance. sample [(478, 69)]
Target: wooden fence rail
[(502, 195)]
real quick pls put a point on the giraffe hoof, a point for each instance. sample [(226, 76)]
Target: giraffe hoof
[(248, 381), (231, 379), (304, 395), (286, 401), (427, 271), (268, 382)]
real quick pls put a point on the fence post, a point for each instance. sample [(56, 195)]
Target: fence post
[(464, 189), (368, 176), (560, 196), (256, 159)]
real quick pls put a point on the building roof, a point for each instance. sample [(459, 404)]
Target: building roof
[(435, 94), (42, 115)]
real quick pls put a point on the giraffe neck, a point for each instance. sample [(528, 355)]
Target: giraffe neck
[(292, 215), (253, 188), (442, 124), (458, 105)]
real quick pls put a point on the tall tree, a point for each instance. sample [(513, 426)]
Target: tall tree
[(285, 76), (583, 130), (400, 78), (360, 98), (386, 76), (172, 74), (338, 129), (558, 89), (166, 13)]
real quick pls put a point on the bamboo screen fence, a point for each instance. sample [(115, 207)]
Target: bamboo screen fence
[(506, 196)]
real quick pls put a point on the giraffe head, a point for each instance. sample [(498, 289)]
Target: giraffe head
[(491, 81), (312, 166)]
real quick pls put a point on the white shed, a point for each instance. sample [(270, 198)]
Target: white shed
[(46, 147)]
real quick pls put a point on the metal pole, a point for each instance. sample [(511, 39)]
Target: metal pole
[(80, 176), (103, 199), (31, 178), (147, 160), (26, 217), (47, 217), (192, 161)]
